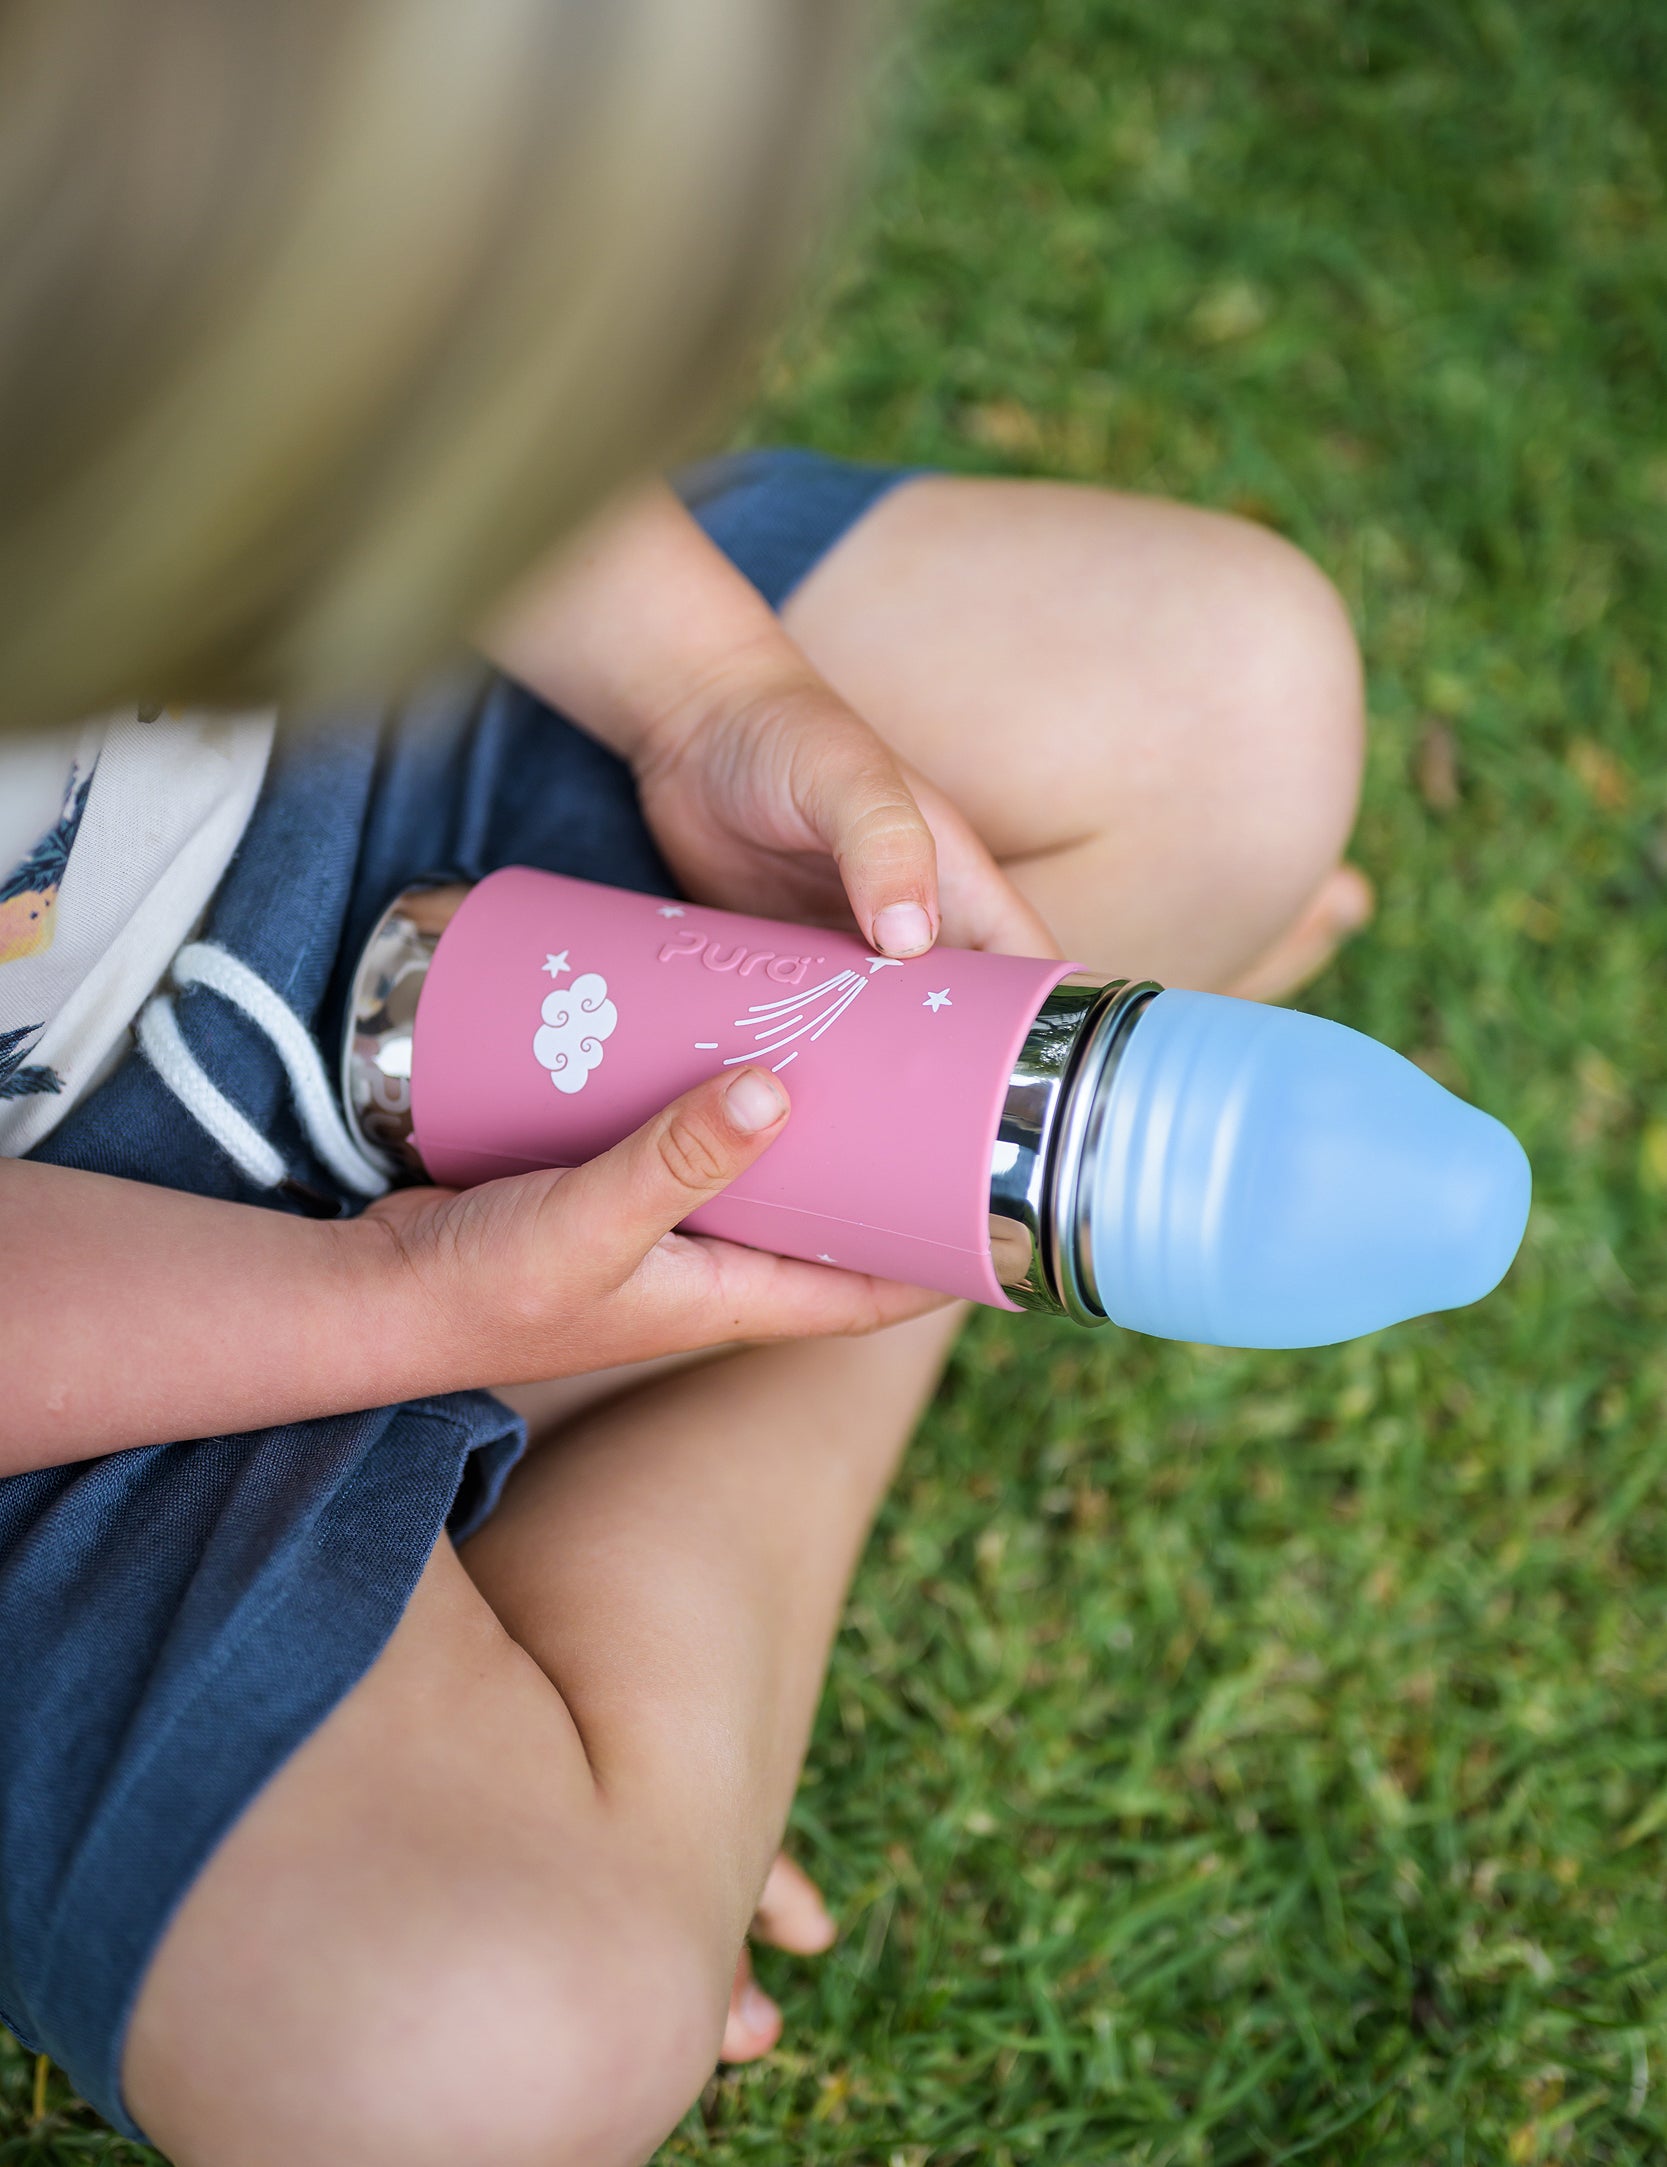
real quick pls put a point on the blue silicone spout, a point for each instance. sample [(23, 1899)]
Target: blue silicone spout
[(1262, 1178)]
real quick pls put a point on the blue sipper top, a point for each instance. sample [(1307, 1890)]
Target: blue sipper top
[(1264, 1178)]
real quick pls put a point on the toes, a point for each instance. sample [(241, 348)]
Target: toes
[(1350, 898), (754, 2022), (791, 1913)]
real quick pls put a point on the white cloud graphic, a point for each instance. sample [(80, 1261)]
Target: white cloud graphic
[(577, 1018)]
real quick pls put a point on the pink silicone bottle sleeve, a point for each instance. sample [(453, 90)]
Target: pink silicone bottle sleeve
[(557, 1015)]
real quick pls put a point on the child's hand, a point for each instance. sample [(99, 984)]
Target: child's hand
[(552, 1275), (778, 799), (764, 790)]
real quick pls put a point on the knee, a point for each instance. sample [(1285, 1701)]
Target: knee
[(1285, 707), (1234, 781), (512, 2050)]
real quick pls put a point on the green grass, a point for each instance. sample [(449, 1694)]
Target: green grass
[(1241, 1758)]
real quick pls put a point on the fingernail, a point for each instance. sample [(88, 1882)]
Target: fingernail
[(758, 2011), (902, 929), (754, 1101)]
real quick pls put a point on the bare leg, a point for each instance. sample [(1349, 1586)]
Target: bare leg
[(492, 1910)]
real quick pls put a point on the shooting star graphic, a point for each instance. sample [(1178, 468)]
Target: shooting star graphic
[(775, 1025)]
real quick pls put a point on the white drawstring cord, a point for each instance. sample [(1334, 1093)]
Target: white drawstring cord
[(203, 964), (168, 1054)]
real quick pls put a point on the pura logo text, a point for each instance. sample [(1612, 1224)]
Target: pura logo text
[(736, 956)]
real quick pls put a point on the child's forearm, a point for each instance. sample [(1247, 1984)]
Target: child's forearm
[(643, 627), (138, 1315)]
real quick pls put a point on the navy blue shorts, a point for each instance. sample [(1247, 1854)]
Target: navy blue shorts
[(175, 1620)]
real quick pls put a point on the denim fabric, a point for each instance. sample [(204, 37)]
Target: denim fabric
[(175, 1620)]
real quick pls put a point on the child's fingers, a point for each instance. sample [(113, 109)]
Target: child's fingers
[(857, 801), (622, 1203), (736, 1293)]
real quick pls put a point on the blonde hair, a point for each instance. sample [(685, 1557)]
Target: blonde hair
[(319, 319)]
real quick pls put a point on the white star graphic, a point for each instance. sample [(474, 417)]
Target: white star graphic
[(672, 910), (884, 963), (555, 965), (935, 1001)]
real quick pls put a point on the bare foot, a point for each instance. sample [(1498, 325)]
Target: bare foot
[(791, 1915), (1339, 907)]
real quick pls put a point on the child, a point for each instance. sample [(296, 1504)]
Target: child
[(375, 1788)]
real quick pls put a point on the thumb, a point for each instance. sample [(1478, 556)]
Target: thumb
[(633, 1196), (857, 799)]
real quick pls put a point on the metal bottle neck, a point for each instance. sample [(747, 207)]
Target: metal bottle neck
[(1045, 1141), (382, 1017)]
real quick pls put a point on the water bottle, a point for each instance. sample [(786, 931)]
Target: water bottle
[(1004, 1128)]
